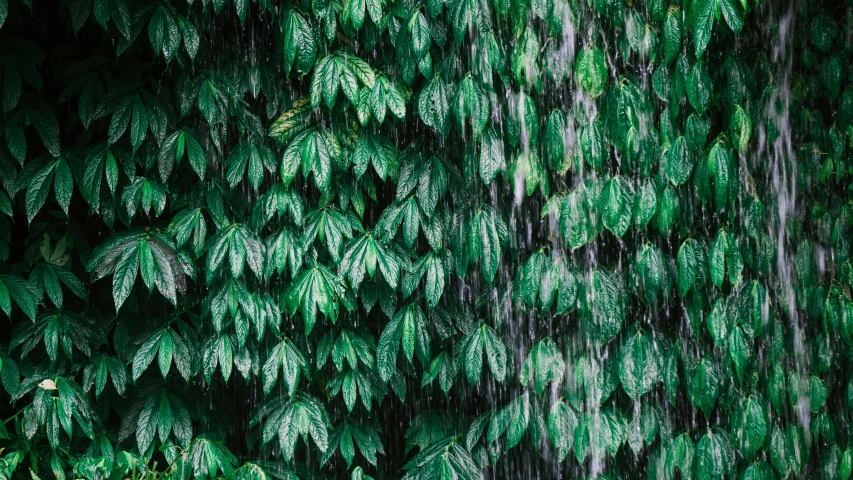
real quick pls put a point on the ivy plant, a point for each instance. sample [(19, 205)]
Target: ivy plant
[(457, 239)]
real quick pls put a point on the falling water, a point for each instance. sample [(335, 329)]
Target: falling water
[(647, 363), (783, 175)]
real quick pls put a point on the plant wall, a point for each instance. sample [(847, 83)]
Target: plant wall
[(447, 239)]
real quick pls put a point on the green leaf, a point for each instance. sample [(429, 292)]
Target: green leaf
[(719, 323), (713, 457), (846, 465), (607, 432), (121, 117), (739, 351), (138, 123), (823, 31), (688, 265), (146, 353), (740, 129), (731, 15), (471, 103), (679, 162), (38, 188), (492, 160), (196, 155), (562, 422), (818, 393), (434, 280), (316, 289), (702, 13), (473, 357), (63, 185), (43, 118), (703, 386), (593, 145), (292, 121), (717, 258), (719, 161), (778, 451), (434, 105), (751, 426), (616, 202), (645, 204), (421, 39), (700, 89), (639, 369), (474, 344), (591, 70), (19, 290), (608, 303), (125, 277), (495, 352), (299, 47), (671, 373), (672, 33), (697, 132)]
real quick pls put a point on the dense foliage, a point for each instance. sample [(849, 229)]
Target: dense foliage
[(451, 239)]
